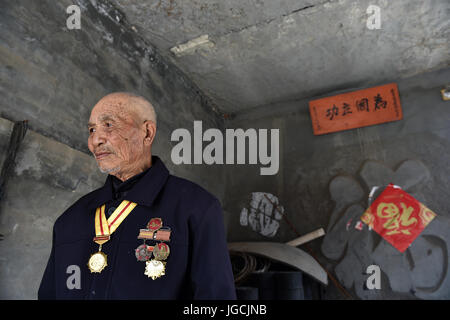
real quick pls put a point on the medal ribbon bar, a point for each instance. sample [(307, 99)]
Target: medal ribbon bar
[(159, 235)]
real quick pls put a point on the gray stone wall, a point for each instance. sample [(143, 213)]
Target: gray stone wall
[(48, 177)]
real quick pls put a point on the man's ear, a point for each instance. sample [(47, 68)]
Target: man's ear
[(150, 132)]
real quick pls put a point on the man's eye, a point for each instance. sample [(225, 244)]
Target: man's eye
[(109, 125), (91, 130)]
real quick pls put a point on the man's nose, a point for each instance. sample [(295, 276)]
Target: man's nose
[(98, 138)]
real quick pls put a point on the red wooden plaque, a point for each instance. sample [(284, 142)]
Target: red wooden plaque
[(356, 109)]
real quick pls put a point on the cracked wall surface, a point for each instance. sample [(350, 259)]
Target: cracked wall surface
[(270, 51), (171, 21)]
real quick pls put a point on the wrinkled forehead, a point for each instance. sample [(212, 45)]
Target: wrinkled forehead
[(111, 109)]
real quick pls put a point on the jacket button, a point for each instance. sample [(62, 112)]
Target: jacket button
[(110, 211)]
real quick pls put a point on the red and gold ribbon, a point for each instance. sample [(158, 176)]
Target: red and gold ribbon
[(104, 228)]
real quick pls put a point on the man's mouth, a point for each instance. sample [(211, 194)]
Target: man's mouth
[(101, 155)]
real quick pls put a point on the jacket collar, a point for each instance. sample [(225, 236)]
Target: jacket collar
[(143, 192)]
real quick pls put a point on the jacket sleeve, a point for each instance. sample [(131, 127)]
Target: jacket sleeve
[(47, 289), (211, 272)]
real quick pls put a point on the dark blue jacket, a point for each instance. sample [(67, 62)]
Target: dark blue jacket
[(198, 266)]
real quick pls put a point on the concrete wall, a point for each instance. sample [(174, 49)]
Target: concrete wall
[(52, 77), (48, 177), (325, 180), (268, 51)]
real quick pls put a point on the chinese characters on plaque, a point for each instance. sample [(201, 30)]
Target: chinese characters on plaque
[(356, 109), (397, 217)]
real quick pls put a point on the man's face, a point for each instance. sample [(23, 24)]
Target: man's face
[(115, 138)]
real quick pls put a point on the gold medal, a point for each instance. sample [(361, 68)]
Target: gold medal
[(155, 269), (97, 262), (103, 230)]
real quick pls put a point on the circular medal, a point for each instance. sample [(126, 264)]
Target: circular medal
[(143, 252), (154, 224), (97, 262), (155, 269), (161, 251)]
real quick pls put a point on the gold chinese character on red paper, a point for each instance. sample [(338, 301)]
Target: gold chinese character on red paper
[(398, 220), (397, 217)]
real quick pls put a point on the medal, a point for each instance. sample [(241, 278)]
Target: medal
[(103, 230), (97, 262), (161, 251), (155, 231), (154, 224), (155, 269), (143, 252)]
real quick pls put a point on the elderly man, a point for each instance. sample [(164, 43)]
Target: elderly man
[(145, 234)]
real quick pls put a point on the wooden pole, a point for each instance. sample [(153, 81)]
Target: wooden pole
[(306, 238)]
